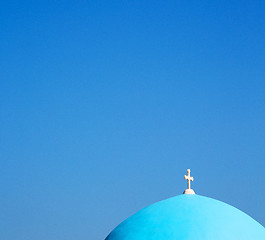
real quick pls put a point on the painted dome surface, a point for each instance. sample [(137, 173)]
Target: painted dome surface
[(187, 217)]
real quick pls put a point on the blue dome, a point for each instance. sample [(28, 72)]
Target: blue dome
[(187, 217)]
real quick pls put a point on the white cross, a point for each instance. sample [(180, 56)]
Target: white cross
[(188, 178)]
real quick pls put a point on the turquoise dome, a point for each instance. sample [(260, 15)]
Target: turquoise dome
[(187, 217)]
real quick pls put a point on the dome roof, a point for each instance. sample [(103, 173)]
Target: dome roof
[(187, 217)]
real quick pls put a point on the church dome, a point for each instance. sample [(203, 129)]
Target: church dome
[(186, 217)]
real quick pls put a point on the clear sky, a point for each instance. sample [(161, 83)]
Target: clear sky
[(105, 104)]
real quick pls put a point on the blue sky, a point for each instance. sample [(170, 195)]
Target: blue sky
[(105, 104)]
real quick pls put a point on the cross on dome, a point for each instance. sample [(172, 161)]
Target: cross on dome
[(188, 178)]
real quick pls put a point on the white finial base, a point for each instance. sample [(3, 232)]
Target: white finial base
[(189, 191)]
